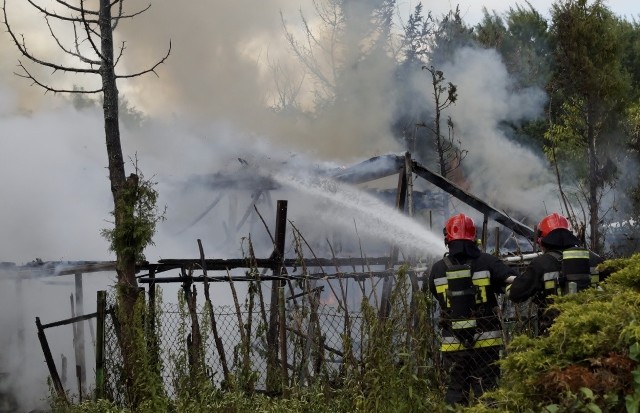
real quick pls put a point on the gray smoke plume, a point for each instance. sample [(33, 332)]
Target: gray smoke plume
[(499, 170), (208, 112)]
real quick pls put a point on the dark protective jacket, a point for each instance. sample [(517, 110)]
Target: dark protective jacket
[(490, 274), (532, 282)]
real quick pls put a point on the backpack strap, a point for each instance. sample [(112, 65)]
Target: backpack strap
[(555, 254), (447, 261)]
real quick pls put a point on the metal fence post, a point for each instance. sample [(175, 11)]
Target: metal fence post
[(100, 323), (283, 340), (53, 371), (79, 328)]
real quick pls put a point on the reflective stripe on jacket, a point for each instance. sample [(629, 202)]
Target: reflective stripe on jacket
[(486, 339)]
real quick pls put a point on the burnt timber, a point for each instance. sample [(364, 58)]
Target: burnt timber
[(366, 171), (387, 165)]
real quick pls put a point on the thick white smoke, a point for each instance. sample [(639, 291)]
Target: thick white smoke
[(499, 170), (207, 109)]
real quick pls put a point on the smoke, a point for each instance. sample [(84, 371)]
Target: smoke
[(499, 170), (208, 108)]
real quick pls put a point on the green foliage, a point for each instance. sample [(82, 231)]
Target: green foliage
[(588, 51), (586, 361), (522, 39), (630, 39), (147, 388), (626, 273), (632, 400), (137, 205), (99, 406), (396, 373), (564, 140), (194, 390)]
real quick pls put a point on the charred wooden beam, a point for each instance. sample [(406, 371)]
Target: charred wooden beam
[(371, 169), (247, 179), (213, 264), (69, 320), (53, 371), (359, 276), (451, 188)]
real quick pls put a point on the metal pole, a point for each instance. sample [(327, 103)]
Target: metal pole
[(485, 223), (80, 352), (53, 371), (408, 172), (283, 341), (278, 255), (387, 284), (100, 324)]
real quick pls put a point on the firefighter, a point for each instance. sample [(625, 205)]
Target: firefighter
[(563, 267), (466, 283)]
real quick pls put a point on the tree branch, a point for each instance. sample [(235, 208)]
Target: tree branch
[(150, 70), (88, 30), (119, 55), (55, 15), (48, 88), (127, 16), (23, 49), (116, 20), (74, 8), (77, 54)]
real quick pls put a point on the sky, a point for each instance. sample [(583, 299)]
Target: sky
[(204, 110)]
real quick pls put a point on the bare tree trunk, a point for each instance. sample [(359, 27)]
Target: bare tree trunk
[(594, 236), (126, 262), (99, 60), (125, 257)]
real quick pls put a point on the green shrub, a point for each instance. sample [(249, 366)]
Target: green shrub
[(585, 362)]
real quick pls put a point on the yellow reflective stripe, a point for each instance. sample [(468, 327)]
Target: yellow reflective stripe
[(478, 344), (489, 342), (550, 280), (481, 280), (482, 336), (458, 274), (575, 254), (457, 325), (452, 347), (442, 289)]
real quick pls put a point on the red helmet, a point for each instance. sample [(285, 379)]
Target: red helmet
[(459, 227), (549, 223)]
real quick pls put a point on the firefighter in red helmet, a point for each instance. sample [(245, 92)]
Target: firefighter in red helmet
[(465, 283), (562, 268)]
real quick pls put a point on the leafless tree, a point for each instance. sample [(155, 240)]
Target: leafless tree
[(450, 155), (92, 50), (338, 42)]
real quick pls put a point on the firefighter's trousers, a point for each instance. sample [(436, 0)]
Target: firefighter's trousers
[(471, 371)]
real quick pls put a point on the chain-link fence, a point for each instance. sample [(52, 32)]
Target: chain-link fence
[(320, 341), (314, 343)]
